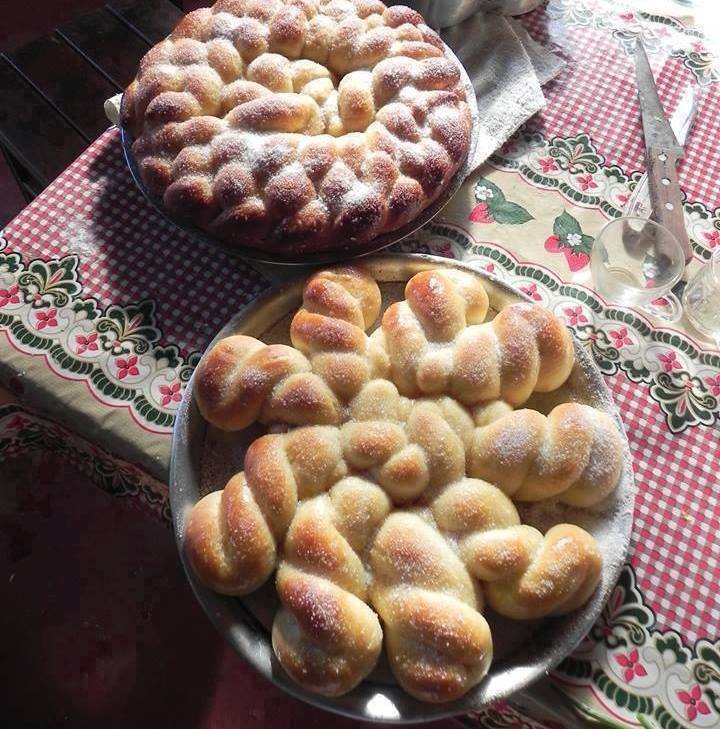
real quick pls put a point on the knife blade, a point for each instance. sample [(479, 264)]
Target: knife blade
[(662, 151), (681, 122)]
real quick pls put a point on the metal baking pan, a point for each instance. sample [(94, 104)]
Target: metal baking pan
[(203, 458), (337, 254)]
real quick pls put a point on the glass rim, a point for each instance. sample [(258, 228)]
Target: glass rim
[(675, 278)]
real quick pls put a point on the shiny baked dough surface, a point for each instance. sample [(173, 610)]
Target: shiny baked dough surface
[(298, 125)]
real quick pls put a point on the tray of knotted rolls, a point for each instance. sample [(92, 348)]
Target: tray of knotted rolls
[(400, 490), (300, 131)]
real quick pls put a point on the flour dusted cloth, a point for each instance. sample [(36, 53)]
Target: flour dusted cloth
[(506, 68)]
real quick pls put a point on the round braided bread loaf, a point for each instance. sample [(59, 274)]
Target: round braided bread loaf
[(432, 343), (298, 125)]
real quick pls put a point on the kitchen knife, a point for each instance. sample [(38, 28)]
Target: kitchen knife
[(681, 122), (662, 151)]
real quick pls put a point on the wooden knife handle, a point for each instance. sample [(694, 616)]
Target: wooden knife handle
[(666, 197)]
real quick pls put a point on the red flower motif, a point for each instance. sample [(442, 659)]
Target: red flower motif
[(507, 147), (575, 315), (714, 384), (490, 268), (443, 249), (713, 240), (9, 296), (669, 361), (631, 664), (126, 367), (83, 343), (623, 198), (170, 393), (575, 259), (531, 291), (620, 337), (694, 705), (627, 17), (18, 422), (547, 164), (481, 214), (586, 182), (46, 318)]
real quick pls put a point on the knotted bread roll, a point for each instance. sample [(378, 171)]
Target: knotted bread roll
[(325, 636), (438, 644), (524, 574), (430, 344)]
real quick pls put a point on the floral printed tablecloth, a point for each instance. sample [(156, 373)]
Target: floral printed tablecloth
[(104, 309)]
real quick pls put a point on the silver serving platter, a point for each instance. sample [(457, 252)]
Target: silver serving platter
[(337, 254), (203, 458)]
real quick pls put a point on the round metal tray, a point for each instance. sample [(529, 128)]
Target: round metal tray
[(338, 254), (203, 458)]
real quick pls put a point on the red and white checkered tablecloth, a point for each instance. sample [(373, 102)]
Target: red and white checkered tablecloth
[(104, 307)]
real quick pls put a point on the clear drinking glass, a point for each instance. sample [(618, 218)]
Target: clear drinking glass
[(635, 262), (701, 300)]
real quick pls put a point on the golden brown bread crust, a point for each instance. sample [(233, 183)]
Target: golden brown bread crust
[(434, 342), (298, 125), (355, 546), (394, 521)]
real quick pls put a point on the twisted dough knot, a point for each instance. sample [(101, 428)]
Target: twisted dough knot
[(326, 636), (338, 307), (525, 574), (232, 535), (430, 344), (241, 381), (437, 343), (574, 453), (438, 643), (300, 124)]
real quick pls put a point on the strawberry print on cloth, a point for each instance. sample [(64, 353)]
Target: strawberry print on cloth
[(569, 240), (492, 207)]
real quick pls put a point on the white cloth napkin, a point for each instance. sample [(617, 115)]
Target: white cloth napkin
[(507, 68)]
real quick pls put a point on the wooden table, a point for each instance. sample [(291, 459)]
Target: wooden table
[(53, 88)]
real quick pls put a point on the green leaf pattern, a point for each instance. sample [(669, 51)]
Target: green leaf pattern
[(47, 315), (573, 167), (500, 209), (627, 632)]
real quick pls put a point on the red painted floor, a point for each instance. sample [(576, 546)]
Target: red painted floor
[(100, 628)]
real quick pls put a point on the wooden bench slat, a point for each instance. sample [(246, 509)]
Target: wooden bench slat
[(109, 44), (61, 74), (32, 131), (152, 19)]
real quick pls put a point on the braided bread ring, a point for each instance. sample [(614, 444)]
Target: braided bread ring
[(298, 125)]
